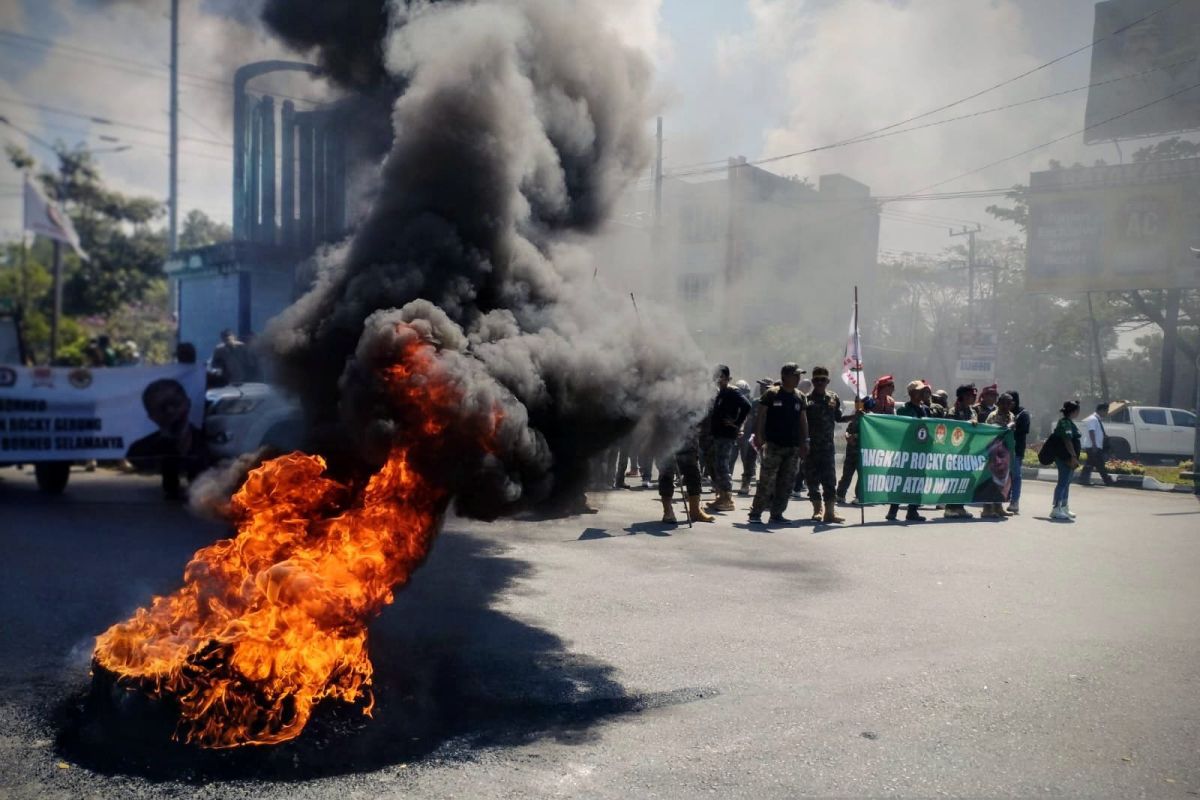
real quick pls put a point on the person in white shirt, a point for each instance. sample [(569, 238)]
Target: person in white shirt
[(1093, 444)]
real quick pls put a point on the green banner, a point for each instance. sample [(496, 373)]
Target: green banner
[(931, 460)]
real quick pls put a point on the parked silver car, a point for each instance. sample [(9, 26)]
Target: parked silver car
[(240, 419)]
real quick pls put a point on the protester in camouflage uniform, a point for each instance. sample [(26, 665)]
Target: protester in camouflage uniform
[(824, 411), (938, 402), (725, 418), (685, 460), (987, 402), (915, 407), (781, 436), (850, 465), (963, 409)]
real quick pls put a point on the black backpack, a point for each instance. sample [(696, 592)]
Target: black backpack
[(1052, 449)]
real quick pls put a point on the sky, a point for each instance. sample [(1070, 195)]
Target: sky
[(756, 78)]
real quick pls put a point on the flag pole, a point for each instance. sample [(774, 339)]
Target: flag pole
[(862, 509)]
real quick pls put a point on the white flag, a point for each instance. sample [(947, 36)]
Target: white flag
[(852, 366), (46, 219)]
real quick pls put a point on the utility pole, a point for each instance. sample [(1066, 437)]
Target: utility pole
[(658, 179), (173, 178), (1166, 383), (1104, 397), (60, 194), (970, 234)]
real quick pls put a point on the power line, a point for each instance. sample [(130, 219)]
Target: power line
[(1085, 129), (99, 120), (203, 125), (1025, 74), (137, 143), (146, 69), (936, 123), (874, 134)]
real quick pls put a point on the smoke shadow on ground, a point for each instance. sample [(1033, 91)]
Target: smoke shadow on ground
[(453, 675)]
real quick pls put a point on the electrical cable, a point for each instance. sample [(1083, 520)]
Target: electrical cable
[(99, 120), (873, 134), (1083, 130), (97, 58)]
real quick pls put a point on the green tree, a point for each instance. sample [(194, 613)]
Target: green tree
[(123, 272), (199, 230)]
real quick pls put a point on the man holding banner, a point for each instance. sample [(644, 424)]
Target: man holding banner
[(923, 460), (915, 408)]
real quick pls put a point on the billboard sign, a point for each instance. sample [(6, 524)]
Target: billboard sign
[(977, 351), (1136, 64), (1114, 228)]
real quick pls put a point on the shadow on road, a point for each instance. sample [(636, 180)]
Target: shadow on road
[(451, 675)]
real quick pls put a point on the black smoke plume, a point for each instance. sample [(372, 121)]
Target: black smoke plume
[(518, 124)]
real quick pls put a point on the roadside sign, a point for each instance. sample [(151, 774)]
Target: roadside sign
[(977, 352)]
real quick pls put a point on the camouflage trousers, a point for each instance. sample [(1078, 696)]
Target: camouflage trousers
[(819, 474), (777, 471)]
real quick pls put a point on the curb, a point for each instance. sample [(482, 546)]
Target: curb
[(1126, 481)]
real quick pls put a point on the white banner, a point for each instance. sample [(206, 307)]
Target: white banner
[(76, 413), (44, 218), (852, 366)]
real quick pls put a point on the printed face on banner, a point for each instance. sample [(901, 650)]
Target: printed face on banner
[(907, 460), (70, 414)]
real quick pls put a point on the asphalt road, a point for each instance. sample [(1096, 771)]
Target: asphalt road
[(609, 656)]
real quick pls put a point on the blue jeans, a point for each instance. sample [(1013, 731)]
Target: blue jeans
[(1014, 495), (1063, 487), (723, 451)]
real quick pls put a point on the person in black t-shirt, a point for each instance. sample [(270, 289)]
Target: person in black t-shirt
[(729, 411)]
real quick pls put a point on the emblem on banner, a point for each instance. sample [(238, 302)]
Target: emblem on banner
[(43, 377), (957, 437), (939, 434), (922, 433), (80, 378), (8, 377)]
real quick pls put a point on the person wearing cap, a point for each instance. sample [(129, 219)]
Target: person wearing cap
[(725, 420), (748, 453), (987, 402), (781, 435), (964, 410), (913, 407), (824, 411)]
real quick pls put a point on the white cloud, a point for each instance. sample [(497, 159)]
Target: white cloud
[(133, 91)]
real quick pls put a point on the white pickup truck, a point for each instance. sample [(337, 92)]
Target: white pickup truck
[(1149, 432)]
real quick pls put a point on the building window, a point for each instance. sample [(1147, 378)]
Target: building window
[(696, 289)]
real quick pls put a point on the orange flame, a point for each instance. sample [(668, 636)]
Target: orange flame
[(272, 621)]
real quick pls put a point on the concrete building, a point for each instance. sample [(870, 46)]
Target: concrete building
[(752, 259), (289, 196)]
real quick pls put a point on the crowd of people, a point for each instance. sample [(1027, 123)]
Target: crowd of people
[(786, 434)]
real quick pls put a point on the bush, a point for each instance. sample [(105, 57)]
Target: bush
[(1120, 467)]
